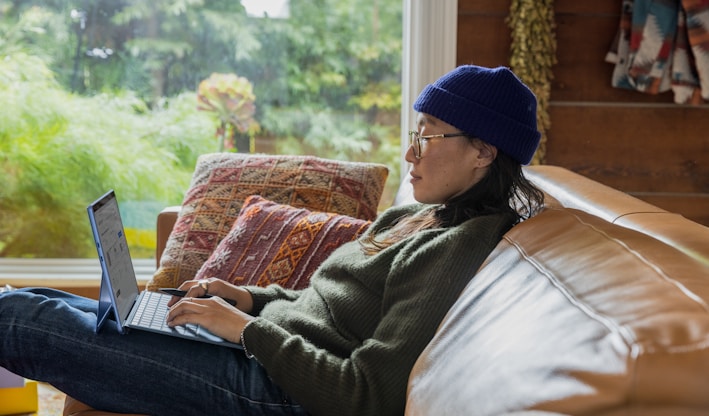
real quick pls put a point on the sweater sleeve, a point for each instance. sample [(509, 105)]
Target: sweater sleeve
[(425, 277), (261, 296)]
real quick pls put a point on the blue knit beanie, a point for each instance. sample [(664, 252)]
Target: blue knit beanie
[(489, 103)]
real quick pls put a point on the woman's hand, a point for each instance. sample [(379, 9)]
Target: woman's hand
[(214, 314), (216, 287)]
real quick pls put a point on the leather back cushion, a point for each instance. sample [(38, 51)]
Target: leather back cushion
[(564, 188), (572, 314)]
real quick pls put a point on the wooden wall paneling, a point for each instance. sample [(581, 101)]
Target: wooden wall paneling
[(657, 153), (588, 8), (483, 35), (489, 7), (479, 40), (639, 143), (634, 149)]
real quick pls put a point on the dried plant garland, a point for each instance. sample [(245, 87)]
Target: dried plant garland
[(533, 53)]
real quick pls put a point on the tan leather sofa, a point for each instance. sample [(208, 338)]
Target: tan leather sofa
[(597, 306)]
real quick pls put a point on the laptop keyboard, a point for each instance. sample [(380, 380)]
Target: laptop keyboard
[(152, 314)]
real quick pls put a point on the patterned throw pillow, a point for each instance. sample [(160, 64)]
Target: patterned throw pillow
[(222, 181), (275, 243)]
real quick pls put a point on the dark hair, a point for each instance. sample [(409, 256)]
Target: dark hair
[(503, 190)]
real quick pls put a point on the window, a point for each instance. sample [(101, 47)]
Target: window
[(103, 95)]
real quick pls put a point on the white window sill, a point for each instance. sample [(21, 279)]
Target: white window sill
[(63, 273)]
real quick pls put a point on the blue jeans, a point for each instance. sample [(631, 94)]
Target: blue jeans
[(50, 336)]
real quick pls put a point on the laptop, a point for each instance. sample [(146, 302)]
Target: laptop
[(120, 296)]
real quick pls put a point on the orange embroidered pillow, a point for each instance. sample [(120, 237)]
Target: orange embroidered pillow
[(280, 244), (222, 181)]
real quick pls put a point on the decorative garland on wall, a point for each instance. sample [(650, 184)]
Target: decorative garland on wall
[(533, 53)]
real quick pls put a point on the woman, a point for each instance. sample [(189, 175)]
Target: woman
[(346, 344)]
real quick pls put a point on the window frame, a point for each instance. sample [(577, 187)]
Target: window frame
[(428, 52)]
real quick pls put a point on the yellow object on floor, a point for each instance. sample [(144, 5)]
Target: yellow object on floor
[(14, 400)]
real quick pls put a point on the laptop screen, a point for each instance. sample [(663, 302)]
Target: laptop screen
[(113, 253)]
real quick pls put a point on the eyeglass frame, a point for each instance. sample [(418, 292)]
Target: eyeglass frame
[(415, 137)]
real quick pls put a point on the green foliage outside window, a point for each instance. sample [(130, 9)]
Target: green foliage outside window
[(100, 94), (60, 151)]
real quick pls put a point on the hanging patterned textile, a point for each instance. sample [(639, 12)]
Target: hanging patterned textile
[(663, 45)]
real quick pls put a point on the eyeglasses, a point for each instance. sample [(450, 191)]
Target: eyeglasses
[(415, 140)]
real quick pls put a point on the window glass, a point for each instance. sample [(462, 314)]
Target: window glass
[(103, 94)]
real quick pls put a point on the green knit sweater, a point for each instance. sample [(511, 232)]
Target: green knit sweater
[(347, 343)]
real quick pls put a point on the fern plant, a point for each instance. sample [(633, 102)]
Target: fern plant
[(59, 151)]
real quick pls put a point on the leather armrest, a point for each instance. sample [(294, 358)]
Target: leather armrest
[(166, 221), (572, 190)]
